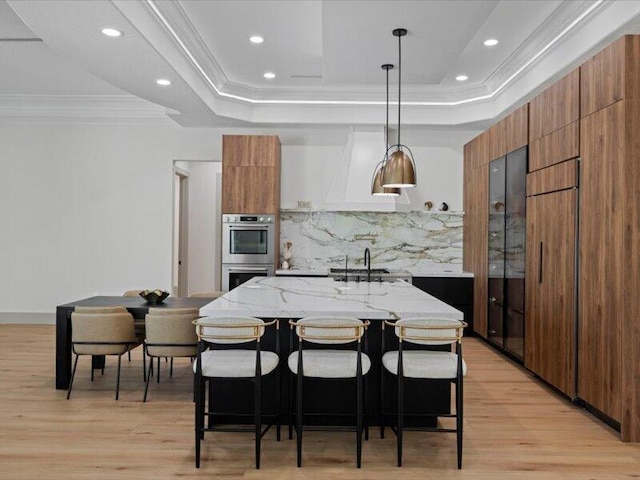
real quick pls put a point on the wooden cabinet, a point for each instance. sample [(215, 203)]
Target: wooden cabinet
[(250, 174), (476, 229), (557, 177), (550, 288), (556, 107), (558, 146), (609, 335), (553, 123), (497, 140), (517, 129), (476, 232), (610, 76), (602, 259)]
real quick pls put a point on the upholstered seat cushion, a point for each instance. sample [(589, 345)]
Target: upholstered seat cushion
[(235, 363), (329, 363), (424, 364)]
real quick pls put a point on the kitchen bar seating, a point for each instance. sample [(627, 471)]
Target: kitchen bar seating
[(413, 363), (216, 360), (330, 364)]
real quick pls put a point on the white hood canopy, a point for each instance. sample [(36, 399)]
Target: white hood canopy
[(351, 185)]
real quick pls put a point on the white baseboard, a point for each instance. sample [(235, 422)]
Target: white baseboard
[(30, 318)]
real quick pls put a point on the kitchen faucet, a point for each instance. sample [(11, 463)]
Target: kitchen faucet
[(346, 268), (367, 263)]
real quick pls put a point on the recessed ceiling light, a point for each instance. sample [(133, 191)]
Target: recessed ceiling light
[(256, 39), (163, 82), (462, 78), (491, 42), (269, 75), (111, 32)]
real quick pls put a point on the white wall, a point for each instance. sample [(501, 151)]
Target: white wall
[(87, 209)]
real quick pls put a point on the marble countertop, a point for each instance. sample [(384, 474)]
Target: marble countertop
[(414, 271), (298, 297)]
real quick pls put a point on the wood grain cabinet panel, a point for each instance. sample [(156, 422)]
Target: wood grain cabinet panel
[(476, 228), (602, 259), (550, 288), (517, 128), (611, 75), (483, 149), (556, 107), (556, 147), (250, 174), (250, 150), (557, 177), (497, 140), (249, 190)]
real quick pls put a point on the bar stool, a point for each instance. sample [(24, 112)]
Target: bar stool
[(234, 363), (425, 364), (328, 364)]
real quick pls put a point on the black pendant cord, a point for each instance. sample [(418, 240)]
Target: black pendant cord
[(399, 83), (386, 128), (399, 32)]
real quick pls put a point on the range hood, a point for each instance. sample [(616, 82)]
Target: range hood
[(351, 186)]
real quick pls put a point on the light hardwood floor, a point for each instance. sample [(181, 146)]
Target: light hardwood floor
[(515, 428)]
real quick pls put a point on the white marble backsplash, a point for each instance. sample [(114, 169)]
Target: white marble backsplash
[(395, 239)]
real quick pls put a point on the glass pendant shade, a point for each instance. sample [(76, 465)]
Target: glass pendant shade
[(399, 171), (376, 185)]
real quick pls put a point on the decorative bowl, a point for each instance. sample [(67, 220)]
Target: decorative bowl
[(154, 297)]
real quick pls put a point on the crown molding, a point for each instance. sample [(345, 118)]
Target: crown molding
[(105, 109)]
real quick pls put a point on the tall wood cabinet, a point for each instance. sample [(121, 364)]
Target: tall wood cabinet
[(550, 281), (609, 283), (250, 174)]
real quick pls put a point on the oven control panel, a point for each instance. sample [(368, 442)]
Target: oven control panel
[(248, 219)]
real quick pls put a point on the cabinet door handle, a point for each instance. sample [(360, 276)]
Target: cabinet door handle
[(540, 266)]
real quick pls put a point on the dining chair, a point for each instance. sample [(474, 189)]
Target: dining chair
[(108, 309), (169, 335), (168, 311), (220, 356), (328, 363), (101, 334), (132, 293), (419, 363)]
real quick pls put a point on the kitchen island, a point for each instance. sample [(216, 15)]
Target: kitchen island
[(298, 297)]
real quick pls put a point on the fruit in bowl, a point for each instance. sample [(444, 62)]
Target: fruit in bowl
[(154, 297)]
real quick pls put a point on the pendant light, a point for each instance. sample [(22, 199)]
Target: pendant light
[(399, 170), (376, 185)]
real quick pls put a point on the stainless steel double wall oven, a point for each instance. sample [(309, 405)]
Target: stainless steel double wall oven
[(248, 247)]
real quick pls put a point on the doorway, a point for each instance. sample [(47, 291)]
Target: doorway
[(196, 226), (180, 283)]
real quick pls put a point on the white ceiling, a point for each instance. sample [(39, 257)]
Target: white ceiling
[(326, 56)]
